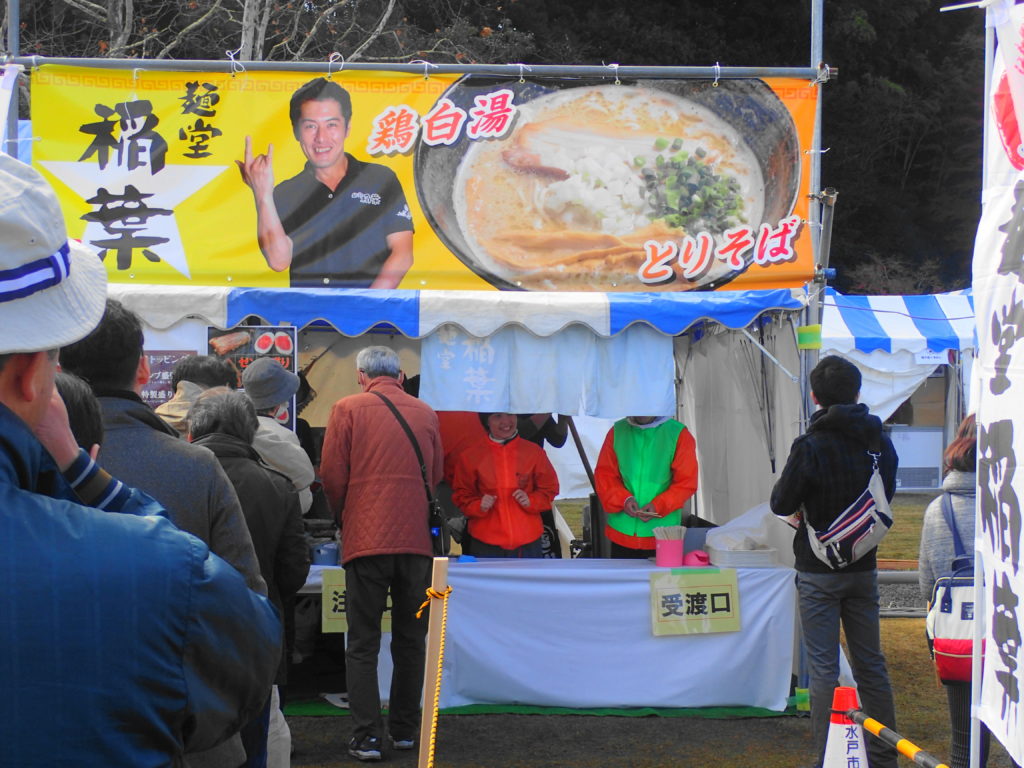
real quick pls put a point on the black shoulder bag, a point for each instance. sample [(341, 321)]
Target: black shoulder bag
[(435, 517)]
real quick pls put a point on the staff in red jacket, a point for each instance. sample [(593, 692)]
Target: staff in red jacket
[(502, 484)]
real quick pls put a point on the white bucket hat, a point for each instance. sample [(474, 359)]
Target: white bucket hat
[(52, 290)]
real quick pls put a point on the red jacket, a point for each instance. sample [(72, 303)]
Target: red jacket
[(497, 469), (459, 430), (371, 475)]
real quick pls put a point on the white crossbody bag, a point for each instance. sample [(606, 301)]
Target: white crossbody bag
[(859, 528)]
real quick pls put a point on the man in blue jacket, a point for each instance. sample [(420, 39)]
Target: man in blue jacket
[(828, 469), (123, 641)]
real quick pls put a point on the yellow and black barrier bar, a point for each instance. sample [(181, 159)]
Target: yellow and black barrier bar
[(893, 739)]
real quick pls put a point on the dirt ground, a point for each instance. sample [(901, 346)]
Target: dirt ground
[(538, 741), (573, 741), (570, 741)]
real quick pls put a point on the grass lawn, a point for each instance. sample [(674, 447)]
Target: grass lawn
[(902, 543), (920, 699), (904, 539)]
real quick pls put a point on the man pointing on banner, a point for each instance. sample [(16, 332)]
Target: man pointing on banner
[(339, 222)]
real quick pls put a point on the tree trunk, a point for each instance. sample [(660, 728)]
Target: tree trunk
[(120, 18), (255, 16)]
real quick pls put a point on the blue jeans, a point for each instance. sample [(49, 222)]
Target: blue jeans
[(826, 599)]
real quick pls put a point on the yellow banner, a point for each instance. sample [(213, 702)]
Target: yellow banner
[(333, 596), (693, 601), (378, 179)]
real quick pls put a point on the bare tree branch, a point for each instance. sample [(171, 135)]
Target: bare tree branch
[(316, 25), (283, 45), (376, 32), (190, 29), (132, 46), (96, 11)]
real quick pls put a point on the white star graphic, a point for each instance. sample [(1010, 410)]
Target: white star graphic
[(168, 187)]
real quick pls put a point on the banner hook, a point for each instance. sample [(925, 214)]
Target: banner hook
[(236, 66), (426, 67), (333, 58)]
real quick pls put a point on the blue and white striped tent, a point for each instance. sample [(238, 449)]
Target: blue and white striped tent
[(417, 314), (589, 354), (571, 348), (935, 323), (897, 341)]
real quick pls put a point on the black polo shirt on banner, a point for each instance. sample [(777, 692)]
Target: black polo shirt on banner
[(339, 237)]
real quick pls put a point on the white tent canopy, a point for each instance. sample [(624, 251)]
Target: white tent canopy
[(596, 354), (593, 354), (897, 341)]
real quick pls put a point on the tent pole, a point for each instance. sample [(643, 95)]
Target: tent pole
[(769, 355), (809, 357), (583, 453), (827, 198), (13, 45), (496, 70)]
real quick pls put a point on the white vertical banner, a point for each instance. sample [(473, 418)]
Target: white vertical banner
[(1007, 19), (631, 373), (999, 379), (999, 308)]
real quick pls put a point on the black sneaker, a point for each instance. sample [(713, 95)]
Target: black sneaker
[(401, 744), (367, 750)]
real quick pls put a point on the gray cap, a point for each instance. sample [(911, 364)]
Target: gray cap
[(268, 383)]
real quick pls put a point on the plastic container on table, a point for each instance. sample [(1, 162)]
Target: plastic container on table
[(742, 558)]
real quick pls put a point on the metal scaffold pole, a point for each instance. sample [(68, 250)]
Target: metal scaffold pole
[(13, 49)]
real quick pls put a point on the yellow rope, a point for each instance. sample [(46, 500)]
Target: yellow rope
[(443, 597)]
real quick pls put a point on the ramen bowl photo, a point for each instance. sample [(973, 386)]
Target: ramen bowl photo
[(566, 198)]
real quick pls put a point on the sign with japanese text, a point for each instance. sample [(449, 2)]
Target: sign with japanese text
[(999, 382), (332, 610), (158, 389), (378, 179), (239, 347), (694, 601)]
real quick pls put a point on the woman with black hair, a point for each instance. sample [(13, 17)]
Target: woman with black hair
[(502, 484), (935, 559)]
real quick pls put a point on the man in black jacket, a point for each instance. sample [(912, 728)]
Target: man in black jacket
[(827, 470), (224, 421)]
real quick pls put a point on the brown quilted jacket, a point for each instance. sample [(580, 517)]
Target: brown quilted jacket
[(370, 472)]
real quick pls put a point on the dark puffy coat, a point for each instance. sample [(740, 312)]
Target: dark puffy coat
[(271, 508)]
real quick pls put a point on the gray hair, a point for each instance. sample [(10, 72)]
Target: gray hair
[(378, 361), (223, 410)]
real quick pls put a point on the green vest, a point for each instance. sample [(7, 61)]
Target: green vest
[(645, 464)]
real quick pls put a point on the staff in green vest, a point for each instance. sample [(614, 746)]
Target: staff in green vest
[(646, 471)]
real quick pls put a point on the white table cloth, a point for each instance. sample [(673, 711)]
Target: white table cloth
[(577, 633)]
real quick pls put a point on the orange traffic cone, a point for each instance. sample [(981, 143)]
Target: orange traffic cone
[(845, 738)]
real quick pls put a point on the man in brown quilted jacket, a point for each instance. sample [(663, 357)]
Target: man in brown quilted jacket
[(373, 482)]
